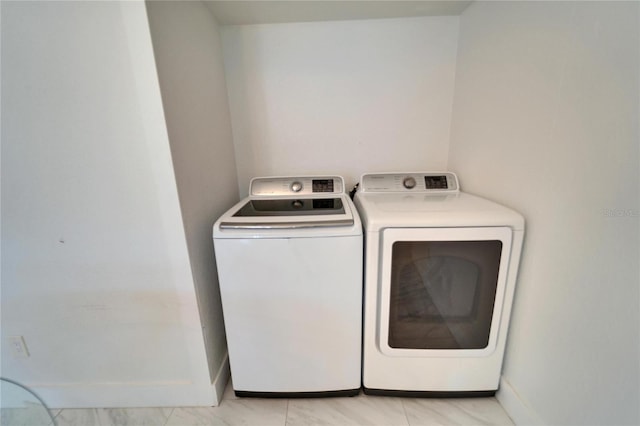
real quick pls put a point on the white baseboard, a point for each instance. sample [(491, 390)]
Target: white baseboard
[(518, 409), (221, 380), (125, 395), (133, 394)]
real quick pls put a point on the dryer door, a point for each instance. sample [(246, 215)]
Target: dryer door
[(442, 290)]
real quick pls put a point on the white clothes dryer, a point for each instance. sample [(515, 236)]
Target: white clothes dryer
[(440, 274), (289, 262)]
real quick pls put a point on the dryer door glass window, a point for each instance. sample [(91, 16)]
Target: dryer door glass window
[(442, 293)]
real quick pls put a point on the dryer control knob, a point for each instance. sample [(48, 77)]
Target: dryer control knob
[(296, 186), (409, 182)]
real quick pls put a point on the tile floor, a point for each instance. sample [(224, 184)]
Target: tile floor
[(359, 410)]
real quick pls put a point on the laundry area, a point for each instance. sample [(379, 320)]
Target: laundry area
[(178, 232)]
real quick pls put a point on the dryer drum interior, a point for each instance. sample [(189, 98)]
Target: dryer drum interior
[(442, 294)]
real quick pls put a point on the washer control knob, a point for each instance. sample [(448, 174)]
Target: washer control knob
[(409, 182), (296, 186)]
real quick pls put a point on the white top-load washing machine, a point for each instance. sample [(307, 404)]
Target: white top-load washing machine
[(440, 274), (289, 262)]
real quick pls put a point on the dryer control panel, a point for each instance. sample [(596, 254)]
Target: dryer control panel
[(425, 182), (298, 186)]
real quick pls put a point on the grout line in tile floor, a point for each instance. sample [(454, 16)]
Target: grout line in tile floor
[(286, 412), (404, 410), (169, 416)]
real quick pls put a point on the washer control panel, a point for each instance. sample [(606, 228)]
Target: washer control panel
[(305, 185), (429, 182)]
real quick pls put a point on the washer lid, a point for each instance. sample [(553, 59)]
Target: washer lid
[(291, 207), (284, 207), (289, 214)]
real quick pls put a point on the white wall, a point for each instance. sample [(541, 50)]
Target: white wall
[(95, 268), (545, 120), (188, 55), (340, 97)]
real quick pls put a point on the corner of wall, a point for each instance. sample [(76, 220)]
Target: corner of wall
[(221, 380), (518, 409), (186, 43)]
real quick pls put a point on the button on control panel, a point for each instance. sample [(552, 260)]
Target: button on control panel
[(409, 182)]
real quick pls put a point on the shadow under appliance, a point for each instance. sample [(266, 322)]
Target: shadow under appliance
[(440, 273), (289, 262)]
